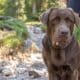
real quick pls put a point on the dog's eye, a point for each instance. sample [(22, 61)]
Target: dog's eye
[(68, 20), (56, 20)]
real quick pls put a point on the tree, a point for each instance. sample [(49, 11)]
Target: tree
[(30, 9), (10, 8), (20, 9), (2, 7)]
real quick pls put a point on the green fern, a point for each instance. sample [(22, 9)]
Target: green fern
[(15, 25)]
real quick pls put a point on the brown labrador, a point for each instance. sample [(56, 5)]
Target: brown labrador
[(61, 52)]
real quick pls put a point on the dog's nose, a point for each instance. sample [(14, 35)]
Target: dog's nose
[(64, 32)]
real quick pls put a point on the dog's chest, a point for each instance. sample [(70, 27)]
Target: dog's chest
[(58, 57), (69, 57), (63, 72)]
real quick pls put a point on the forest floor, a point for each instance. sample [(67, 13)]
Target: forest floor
[(26, 65)]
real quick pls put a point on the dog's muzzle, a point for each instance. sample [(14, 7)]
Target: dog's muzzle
[(63, 40)]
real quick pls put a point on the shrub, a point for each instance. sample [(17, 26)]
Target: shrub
[(77, 33), (13, 32)]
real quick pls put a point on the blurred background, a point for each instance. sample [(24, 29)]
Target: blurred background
[(27, 10)]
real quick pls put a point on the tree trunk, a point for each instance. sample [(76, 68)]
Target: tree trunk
[(34, 8)]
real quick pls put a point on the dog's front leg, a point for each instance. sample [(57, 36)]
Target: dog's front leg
[(53, 76)]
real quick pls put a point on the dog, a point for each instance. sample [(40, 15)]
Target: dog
[(61, 51)]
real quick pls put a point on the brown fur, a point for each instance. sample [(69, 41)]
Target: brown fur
[(62, 59)]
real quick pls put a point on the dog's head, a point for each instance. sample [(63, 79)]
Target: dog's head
[(60, 25)]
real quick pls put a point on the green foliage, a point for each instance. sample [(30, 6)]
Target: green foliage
[(12, 41), (43, 28), (40, 6), (34, 17), (17, 34), (10, 8), (25, 9), (2, 7), (77, 33), (18, 26), (53, 3)]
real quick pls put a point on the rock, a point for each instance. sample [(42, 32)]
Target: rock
[(37, 57), (37, 30), (38, 66), (28, 43), (31, 46), (8, 71), (3, 64), (21, 70), (3, 78), (21, 65), (34, 74), (34, 47), (36, 36), (23, 76)]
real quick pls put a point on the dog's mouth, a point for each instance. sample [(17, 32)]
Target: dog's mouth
[(61, 41)]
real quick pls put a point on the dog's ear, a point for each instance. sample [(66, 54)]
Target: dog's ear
[(76, 17), (44, 16), (46, 43)]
